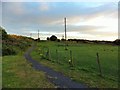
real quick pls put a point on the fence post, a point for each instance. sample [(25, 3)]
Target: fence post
[(98, 61), (48, 54), (43, 51), (57, 55), (71, 59)]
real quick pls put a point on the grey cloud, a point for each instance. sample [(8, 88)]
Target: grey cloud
[(18, 17), (31, 16), (83, 28)]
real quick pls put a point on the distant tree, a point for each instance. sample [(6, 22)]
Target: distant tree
[(58, 40), (38, 39), (117, 42), (62, 39), (48, 38), (53, 38)]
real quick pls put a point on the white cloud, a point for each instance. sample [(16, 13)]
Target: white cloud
[(110, 24), (44, 6)]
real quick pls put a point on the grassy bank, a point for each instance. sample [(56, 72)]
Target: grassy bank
[(18, 73), (85, 68)]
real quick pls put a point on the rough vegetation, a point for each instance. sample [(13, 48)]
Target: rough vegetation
[(12, 43)]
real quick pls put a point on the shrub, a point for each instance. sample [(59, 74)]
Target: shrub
[(53, 38), (117, 42), (8, 50)]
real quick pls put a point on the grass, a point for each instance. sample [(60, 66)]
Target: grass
[(85, 68), (18, 73), (0, 72)]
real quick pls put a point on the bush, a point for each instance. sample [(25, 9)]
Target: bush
[(12, 44), (8, 50), (48, 38), (117, 42), (53, 38), (58, 40)]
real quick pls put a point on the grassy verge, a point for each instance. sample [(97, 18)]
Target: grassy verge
[(0, 72), (87, 73), (18, 73)]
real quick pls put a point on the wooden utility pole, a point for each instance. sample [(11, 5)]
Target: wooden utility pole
[(38, 34), (65, 35), (65, 30)]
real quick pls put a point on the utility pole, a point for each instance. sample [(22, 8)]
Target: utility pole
[(38, 33), (38, 36), (65, 35), (65, 29)]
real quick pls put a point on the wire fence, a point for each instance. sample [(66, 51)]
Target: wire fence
[(84, 60)]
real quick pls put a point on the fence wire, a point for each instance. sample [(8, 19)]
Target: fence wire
[(85, 60)]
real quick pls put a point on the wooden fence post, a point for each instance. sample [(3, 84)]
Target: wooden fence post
[(43, 51), (48, 54), (57, 55), (98, 61), (71, 58)]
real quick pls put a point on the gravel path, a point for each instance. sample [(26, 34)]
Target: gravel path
[(57, 78)]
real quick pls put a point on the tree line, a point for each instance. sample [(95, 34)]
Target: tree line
[(54, 38)]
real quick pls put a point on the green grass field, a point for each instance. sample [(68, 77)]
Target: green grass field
[(18, 73), (85, 68)]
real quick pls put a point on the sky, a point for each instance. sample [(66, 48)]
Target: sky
[(85, 20)]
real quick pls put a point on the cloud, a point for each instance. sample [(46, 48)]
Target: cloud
[(59, 1), (83, 28), (55, 15), (84, 18), (13, 8), (0, 13), (44, 6)]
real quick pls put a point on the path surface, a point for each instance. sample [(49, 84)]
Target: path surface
[(57, 78)]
